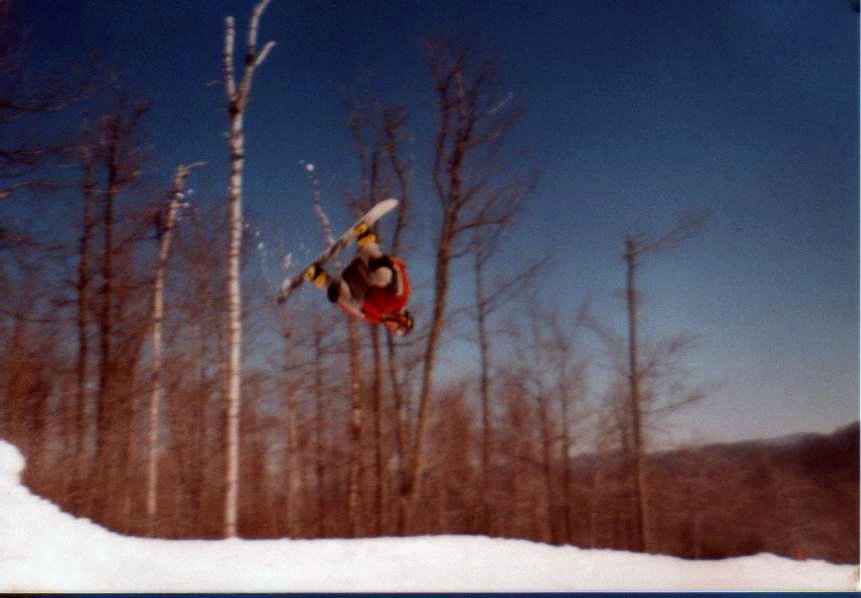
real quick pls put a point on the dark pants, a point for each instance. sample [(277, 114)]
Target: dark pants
[(357, 276)]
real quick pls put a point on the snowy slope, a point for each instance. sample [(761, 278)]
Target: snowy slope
[(44, 549)]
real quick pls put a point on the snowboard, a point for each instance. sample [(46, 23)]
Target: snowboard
[(368, 220)]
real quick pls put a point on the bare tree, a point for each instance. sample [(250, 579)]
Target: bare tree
[(489, 298), (191, 469), (121, 158), (540, 371), (568, 387), (473, 121), (394, 137), (83, 303), (379, 134), (360, 116), (356, 377), (166, 235), (319, 427), (27, 150), (294, 458), (238, 97), (635, 249), (122, 168)]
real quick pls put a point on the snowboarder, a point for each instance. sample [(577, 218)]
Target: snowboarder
[(374, 287)]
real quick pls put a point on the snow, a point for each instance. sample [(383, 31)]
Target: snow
[(45, 550)]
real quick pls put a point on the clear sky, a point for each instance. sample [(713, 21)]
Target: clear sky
[(635, 111)]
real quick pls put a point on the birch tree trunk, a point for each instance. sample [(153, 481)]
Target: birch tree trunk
[(237, 102), (234, 315), (157, 315)]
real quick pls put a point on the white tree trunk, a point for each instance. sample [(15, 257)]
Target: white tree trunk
[(234, 335), (157, 316), (237, 102)]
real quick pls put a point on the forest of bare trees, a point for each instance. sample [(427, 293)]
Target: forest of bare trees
[(130, 391)]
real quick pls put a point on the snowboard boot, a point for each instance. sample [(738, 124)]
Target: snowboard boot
[(366, 238)]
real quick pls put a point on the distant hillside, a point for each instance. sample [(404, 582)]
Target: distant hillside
[(795, 496)]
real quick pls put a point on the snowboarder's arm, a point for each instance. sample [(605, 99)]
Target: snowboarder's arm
[(350, 308)]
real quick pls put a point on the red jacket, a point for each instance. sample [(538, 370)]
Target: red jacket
[(385, 301)]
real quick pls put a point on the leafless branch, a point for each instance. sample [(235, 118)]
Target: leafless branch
[(688, 224), (394, 122), (33, 185), (252, 58), (520, 282)]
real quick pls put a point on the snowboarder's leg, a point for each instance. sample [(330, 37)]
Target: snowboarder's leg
[(349, 289), (369, 268), (333, 292), (339, 292), (382, 271), (358, 278), (379, 266), (369, 249)]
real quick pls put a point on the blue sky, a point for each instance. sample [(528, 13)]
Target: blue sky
[(635, 111)]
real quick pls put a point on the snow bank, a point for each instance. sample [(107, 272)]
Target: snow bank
[(44, 549)]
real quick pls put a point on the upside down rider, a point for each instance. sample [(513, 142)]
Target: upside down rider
[(374, 287)]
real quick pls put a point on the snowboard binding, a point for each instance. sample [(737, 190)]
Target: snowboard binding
[(317, 274)]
